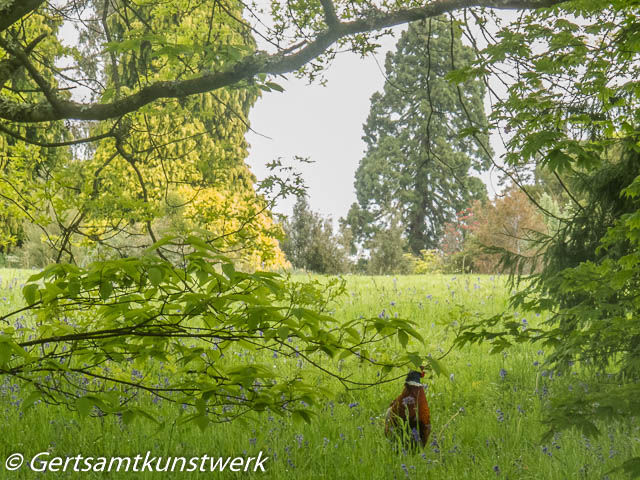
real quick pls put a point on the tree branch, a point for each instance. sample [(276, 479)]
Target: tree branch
[(16, 10), (16, 50), (330, 17), (9, 66), (247, 68)]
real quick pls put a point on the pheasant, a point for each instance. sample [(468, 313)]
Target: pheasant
[(409, 415)]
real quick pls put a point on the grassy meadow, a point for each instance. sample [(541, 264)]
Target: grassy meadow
[(486, 410)]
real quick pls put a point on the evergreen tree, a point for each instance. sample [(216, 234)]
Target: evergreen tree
[(387, 252), (416, 163), (310, 243)]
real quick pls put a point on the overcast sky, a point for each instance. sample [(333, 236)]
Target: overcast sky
[(324, 124)]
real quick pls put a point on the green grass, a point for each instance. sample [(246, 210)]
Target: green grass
[(484, 425)]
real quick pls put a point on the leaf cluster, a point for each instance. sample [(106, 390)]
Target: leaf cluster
[(200, 334)]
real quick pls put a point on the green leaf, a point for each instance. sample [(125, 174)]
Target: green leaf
[(84, 405), (300, 416), (128, 416), (403, 338), (437, 367), (415, 359), (274, 86), (6, 349), (558, 160), (105, 289), (33, 397), (229, 270), (29, 293), (344, 354), (160, 243), (283, 332), (353, 334), (155, 276), (202, 421), (73, 288)]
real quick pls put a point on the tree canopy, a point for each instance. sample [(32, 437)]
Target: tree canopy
[(175, 166), (309, 242), (571, 109), (418, 165)]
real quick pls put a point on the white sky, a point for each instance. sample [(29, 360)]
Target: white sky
[(324, 124)]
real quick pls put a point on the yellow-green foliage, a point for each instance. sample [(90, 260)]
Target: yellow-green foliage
[(184, 159), (173, 166), (429, 261), (24, 166)]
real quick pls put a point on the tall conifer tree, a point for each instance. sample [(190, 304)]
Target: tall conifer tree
[(417, 169)]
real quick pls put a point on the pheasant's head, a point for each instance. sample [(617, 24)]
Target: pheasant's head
[(414, 377)]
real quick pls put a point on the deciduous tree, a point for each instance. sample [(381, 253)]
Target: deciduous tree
[(572, 108)]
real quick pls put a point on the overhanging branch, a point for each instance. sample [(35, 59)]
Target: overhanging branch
[(249, 67)]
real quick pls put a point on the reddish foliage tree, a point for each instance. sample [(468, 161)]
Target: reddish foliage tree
[(509, 222), (456, 232)]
